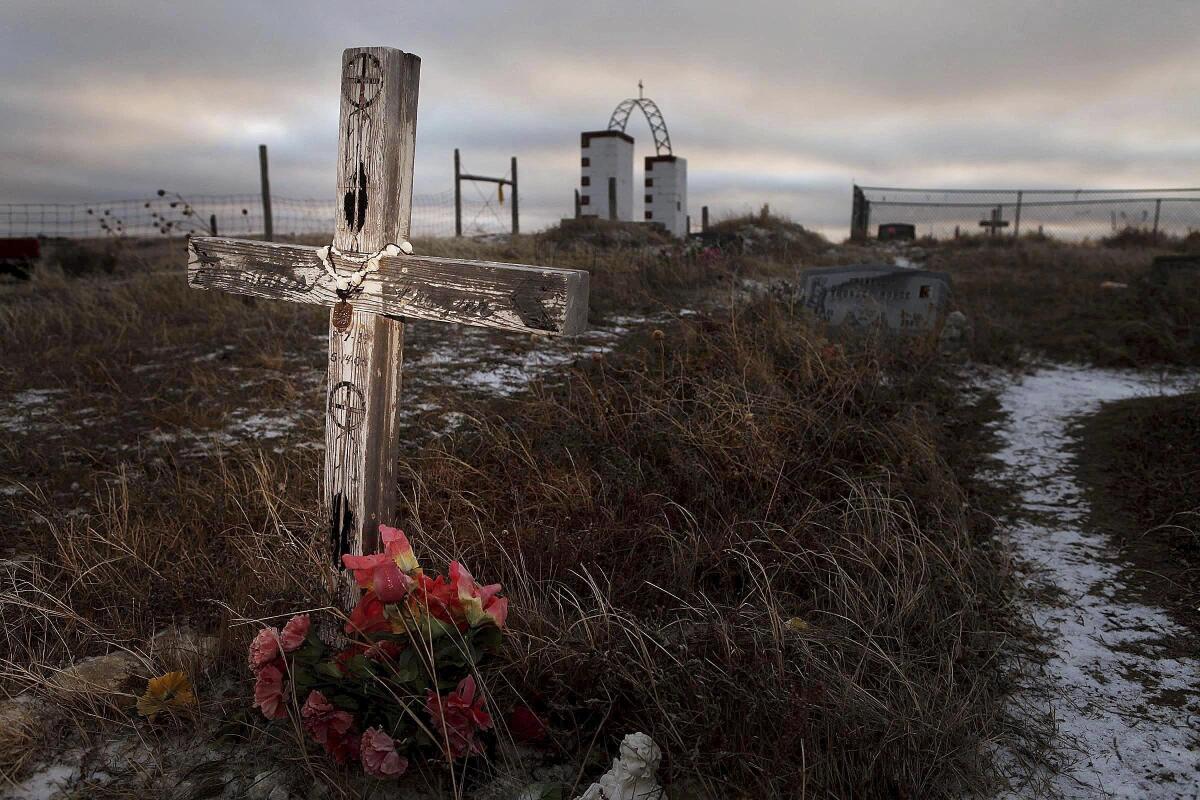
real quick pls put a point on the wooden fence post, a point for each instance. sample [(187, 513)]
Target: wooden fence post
[(578, 206), (516, 222), (703, 218), (1017, 217), (268, 227), (212, 224), (1157, 210), (612, 198), (457, 196)]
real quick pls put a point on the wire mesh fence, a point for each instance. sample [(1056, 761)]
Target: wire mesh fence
[(1072, 214), (167, 214)]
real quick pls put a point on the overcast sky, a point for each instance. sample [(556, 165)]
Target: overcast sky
[(786, 103)]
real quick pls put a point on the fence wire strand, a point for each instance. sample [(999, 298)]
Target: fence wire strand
[(235, 215)]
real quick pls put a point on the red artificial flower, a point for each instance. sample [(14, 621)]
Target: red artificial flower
[(437, 598), (391, 583), (388, 574), (385, 650), (458, 717), (342, 659), (525, 725), (294, 633), (330, 727), (343, 748), (264, 648), (378, 755), (268, 692), (367, 616), (322, 720)]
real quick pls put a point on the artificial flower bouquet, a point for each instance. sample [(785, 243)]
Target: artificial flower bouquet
[(404, 687)]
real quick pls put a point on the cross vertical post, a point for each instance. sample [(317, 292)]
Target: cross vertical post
[(372, 281), (376, 143)]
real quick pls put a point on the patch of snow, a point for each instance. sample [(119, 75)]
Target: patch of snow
[(1104, 661), (262, 426), (223, 352), (31, 411), (43, 784)]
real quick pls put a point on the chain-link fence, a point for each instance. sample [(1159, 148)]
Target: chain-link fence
[(167, 214), (1073, 214)]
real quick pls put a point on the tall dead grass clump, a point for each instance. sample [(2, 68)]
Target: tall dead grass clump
[(1071, 302), (180, 544), (741, 540)]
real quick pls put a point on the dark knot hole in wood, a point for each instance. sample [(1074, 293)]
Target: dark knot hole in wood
[(355, 201), (340, 531)]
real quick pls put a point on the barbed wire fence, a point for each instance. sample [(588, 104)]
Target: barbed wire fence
[(170, 214), (1072, 214)]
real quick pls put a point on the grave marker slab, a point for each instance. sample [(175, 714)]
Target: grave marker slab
[(877, 295), (897, 232), (371, 282)]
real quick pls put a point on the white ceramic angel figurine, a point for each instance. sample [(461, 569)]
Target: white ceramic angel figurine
[(632, 776)]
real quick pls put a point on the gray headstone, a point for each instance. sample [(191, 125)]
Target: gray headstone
[(869, 295)]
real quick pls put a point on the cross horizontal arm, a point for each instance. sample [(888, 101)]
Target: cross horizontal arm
[(485, 293)]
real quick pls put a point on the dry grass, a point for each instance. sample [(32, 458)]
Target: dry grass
[(738, 537), (1047, 298), (735, 539)]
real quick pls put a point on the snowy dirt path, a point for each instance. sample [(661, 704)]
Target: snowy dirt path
[(1127, 715)]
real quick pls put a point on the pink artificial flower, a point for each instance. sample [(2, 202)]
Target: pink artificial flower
[(477, 603), (458, 717), (323, 722), (378, 754), (387, 573), (264, 648), (268, 692), (294, 633)]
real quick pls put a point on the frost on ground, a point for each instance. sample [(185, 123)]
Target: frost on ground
[(1105, 676), (191, 404)]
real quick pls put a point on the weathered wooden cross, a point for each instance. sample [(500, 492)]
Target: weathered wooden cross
[(995, 223), (372, 284)]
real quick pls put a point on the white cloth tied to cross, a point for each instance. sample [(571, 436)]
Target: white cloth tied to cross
[(370, 263)]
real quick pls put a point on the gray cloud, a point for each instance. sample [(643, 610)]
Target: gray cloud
[(784, 103)]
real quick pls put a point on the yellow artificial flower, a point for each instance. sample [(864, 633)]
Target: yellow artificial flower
[(170, 692)]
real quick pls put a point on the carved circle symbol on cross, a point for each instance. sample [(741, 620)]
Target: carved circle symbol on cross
[(362, 78), (346, 405)]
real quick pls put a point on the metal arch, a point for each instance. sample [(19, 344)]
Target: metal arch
[(658, 125)]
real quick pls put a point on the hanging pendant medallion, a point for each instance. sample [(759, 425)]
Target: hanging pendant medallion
[(343, 314)]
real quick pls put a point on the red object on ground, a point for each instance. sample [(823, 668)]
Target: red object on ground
[(22, 248)]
